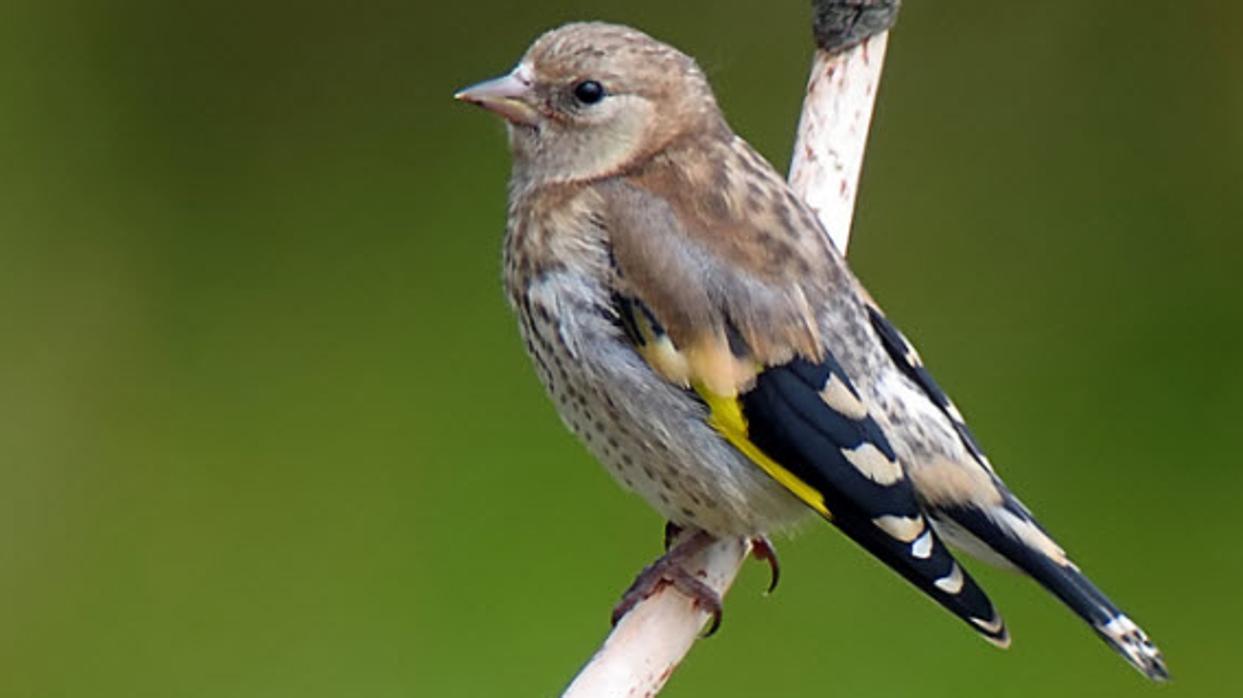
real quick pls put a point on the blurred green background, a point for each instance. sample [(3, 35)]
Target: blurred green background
[(266, 428)]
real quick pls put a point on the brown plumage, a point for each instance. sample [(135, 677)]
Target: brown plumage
[(695, 327)]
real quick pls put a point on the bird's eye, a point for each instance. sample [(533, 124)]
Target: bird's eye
[(589, 92)]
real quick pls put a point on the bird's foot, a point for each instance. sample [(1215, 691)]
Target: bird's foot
[(670, 569), (762, 549)]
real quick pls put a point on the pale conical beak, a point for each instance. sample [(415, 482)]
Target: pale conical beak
[(508, 96)]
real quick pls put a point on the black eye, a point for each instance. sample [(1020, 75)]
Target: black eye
[(589, 92)]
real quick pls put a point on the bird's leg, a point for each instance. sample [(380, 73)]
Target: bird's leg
[(762, 549), (671, 533), (670, 569)]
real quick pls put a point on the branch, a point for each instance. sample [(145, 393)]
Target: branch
[(644, 648), (851, 36)]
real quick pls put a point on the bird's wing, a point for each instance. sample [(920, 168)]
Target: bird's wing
[(982, 517), (990, 522), (739, 335), (985, 517)]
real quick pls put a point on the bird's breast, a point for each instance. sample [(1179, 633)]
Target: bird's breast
[(652, 436)]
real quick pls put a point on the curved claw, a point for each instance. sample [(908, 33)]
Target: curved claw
[(668, 569), (712, 601), (762, 549)]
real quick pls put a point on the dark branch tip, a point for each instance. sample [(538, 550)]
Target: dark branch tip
[(838, 25)]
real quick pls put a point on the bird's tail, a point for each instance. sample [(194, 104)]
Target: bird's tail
[(1015, 536), (1111, 624)]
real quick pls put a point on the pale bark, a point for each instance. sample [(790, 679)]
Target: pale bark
[(833, 132)]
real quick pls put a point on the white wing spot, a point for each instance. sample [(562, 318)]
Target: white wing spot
[(954, 414), (988, 626), (1003, 642), (869, 460), (904, 528), (922, 547), (837, 395), (912, 357), (952, 582)]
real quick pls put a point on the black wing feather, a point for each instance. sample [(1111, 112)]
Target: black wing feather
[(1055, 573), (903, 356), (791, 423)]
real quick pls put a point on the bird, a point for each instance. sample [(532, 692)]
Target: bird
[(696, 328)]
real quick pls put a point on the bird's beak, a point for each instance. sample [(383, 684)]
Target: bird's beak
[(508, 96)]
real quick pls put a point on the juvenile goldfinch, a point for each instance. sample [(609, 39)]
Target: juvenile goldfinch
[(697, 330)]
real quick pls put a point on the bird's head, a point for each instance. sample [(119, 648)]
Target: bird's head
[(589, 100)]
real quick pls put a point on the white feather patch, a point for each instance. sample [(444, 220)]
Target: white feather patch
[(904, 528), (838, 396), (922, 547), (988, 626), (952, 582), (869, 460)]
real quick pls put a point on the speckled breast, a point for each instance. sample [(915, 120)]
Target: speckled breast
[(653, 437)]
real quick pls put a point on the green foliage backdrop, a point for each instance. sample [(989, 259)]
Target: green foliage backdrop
[(266, 428)]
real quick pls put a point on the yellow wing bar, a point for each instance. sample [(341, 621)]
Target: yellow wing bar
[(727, 418)]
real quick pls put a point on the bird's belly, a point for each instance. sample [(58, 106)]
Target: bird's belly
[(653, 437)]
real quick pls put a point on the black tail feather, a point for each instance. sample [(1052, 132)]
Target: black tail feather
[(1064, 580)]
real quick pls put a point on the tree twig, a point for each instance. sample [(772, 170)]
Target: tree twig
[(644, 648), (851, 36)]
